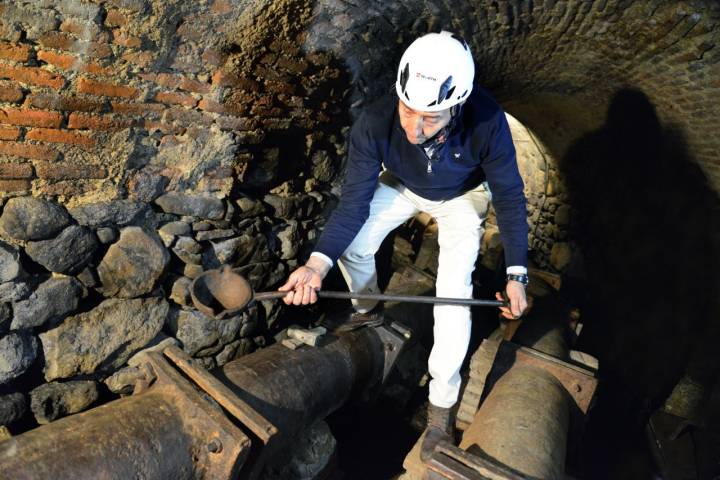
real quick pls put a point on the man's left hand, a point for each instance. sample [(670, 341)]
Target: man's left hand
[(518, 301)]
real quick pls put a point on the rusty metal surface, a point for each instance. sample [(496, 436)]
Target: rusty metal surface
[(523, 423), (259, 425), (580, 382), (481, 363), (168, 431), (294, 388), (450, 462)]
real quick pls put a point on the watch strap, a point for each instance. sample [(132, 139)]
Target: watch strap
[(522, 278)]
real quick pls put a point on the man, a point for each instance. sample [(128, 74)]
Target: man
[(441, 142)]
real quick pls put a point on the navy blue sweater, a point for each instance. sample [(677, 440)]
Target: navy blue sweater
[(482, 138)]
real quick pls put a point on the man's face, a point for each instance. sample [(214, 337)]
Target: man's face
[(419, 126)]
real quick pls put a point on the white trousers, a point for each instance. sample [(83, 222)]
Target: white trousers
[(460, 222)]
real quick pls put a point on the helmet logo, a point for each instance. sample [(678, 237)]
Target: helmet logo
[(425, 77)]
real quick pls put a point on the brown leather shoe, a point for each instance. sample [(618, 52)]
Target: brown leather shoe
[(438, 430)]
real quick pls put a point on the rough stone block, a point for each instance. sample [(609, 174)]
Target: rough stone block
[(103, 339)]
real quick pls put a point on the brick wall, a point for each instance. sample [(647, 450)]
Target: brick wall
[(93, 92)]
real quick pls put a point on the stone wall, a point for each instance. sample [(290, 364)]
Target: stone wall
[(210, 131), (142, 143)]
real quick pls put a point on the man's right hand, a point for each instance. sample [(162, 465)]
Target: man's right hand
[(303, 284)]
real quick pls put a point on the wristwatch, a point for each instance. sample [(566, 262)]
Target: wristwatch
[(522, 278)]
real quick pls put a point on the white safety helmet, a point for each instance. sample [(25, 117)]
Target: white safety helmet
[(435, 72)]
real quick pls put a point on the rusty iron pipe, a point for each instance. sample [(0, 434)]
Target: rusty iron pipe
[(295, 388), (523, 422), (161, 433), (113, 438)]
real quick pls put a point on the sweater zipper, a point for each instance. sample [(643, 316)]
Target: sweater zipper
[(429, 169)]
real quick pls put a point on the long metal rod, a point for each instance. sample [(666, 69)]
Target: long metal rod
[(391, 298)]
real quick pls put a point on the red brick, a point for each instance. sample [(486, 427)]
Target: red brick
[(195, 86), (222, 79), (221, 7), (85, 85), (280, 87), (9, 133), (14, 185), (214, 57), (176, 99), (10, 93), (169, 141), (59, 136), (264, 111), (71, 62), (15, 170), (31, 118), (232, 105), (125, 40), (66, 62), (168, 128), (136, 108), (15, 52), (187, 117), (97, 69), (141, 59), (84, 29), (98, 122), (168, 80), (211, 106), (32, 75), (114, 18), (68, 171), (54, 101), (188, 32), (67, 189), (292, 65), (235, 123), (25, 150), (63, 41)]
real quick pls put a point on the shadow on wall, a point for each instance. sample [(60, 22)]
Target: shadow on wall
[(647, 222)]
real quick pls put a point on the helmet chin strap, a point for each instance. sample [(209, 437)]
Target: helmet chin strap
[(441, 135)]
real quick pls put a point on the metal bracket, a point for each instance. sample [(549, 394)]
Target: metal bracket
[(226, 446), (452, 463), (393, 337), (579, 382)]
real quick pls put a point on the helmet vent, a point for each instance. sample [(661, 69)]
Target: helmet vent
[(464, 93), (404, 77), (434, 102), (460, 39), (444, 89), (450, 92)]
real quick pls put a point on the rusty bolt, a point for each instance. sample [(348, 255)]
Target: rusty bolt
[(577, 387), (215, 446), (389, 347)]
